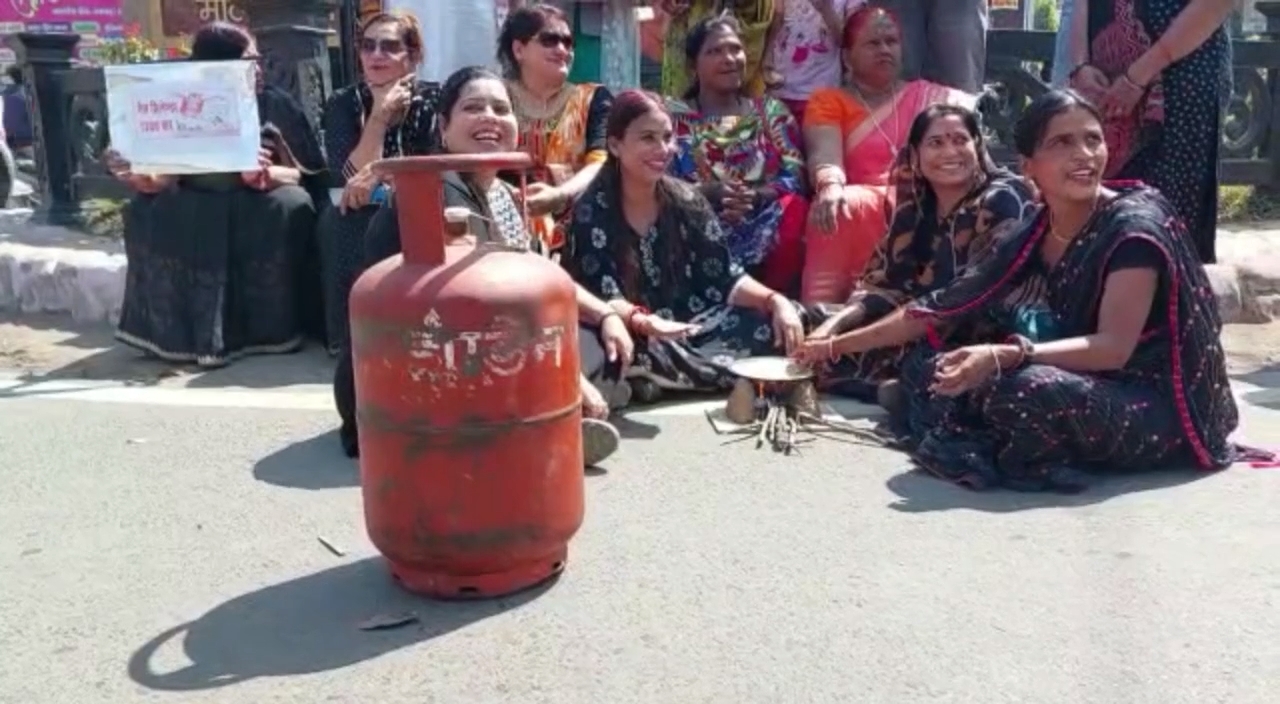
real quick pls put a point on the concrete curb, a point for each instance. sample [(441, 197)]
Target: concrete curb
[(52, 269)]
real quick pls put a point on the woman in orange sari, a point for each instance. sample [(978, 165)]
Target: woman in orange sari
[(853, 135), (561, 123)]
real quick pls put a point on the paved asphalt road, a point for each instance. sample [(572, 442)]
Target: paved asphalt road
[(158, 547)]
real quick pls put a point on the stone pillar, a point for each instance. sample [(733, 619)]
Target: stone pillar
[(348, 27), (43, 58), (291, 38), (1270, 9)]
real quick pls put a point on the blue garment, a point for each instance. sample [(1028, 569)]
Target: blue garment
[(1062, 47), (17, 120)]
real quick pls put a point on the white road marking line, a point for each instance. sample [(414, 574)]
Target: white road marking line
[(319, 397), (306, 397), (310, 397)]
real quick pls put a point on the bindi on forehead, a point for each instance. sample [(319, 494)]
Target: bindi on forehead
[(882, 20)]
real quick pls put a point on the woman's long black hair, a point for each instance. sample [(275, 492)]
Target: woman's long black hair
[(922, 245), (1029, 131), (628, 107), (220, 41)]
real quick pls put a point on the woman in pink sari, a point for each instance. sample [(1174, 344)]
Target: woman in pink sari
[(853, 135)]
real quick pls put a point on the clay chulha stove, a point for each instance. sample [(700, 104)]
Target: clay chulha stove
[(776, 402)]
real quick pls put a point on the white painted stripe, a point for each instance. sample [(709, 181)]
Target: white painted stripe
[(317, 397), (309, 397)]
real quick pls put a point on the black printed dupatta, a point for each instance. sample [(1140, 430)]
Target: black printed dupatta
[(1184, 352)]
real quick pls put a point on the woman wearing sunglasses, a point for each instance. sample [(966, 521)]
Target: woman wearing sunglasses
[(561, 123), (387, 113)]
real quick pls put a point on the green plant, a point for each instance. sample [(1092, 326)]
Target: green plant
[(1246, 204), (1045, 15), (135, 49), (102, 217)]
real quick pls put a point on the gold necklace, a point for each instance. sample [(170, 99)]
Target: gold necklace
[(875, 121), (534, 108), (1067, 239)]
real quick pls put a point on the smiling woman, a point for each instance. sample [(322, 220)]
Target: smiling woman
[(1131, 377), (744, 154), (561, 124), (950, 199), (651, 247), (476, 117)]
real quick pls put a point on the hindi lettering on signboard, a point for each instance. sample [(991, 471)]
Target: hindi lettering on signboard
[(185, 117)]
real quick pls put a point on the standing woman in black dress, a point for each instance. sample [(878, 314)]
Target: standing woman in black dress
[(1160, 71), (388, 113)]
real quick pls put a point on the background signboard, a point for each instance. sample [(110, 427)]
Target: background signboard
[(94, 20)]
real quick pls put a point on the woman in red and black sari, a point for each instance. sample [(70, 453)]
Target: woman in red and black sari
[(1118, 368)]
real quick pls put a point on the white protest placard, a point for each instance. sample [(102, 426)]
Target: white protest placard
[(184, 117)]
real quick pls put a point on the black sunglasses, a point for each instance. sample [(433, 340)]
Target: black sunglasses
[(386, 47), (549, 40)]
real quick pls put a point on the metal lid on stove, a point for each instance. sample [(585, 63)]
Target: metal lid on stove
[(770, 369)]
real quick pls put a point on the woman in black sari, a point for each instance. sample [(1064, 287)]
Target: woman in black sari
[(950, 198), (219, 265), (652, 247), (1123, 370), (387, 113)]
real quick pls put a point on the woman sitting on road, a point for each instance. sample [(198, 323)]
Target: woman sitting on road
[(745, 155), (561, 123), (476, 117), (852, 135), (1122, 371), (220, 265), (651, 246), (386, 114), (950, 198)]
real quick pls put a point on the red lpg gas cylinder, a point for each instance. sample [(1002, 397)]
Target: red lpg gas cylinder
[(466, 371)]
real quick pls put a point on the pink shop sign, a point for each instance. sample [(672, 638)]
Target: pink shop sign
[(61, 11)]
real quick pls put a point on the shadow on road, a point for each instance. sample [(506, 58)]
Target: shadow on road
[(1266, 397), (47, 347), (304, 626), (631, 429), (1268, 377), (318, 463), (920, 492), (85, 336), (310, 365), (314, 463)]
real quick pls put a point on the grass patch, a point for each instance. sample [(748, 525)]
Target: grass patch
[(1246, 204), (103, 217)]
